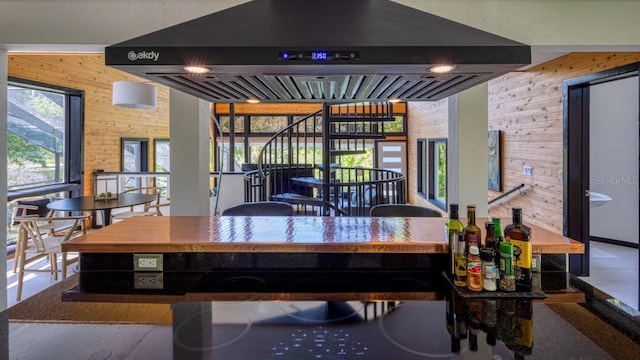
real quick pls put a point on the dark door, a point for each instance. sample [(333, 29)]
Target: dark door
[(576, 174)]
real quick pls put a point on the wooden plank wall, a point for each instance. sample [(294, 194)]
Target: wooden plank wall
[(527, 107), (105, 124)]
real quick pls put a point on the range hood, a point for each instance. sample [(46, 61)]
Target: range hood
[(319, 51)]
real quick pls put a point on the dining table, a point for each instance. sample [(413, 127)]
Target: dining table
[(91, 203)]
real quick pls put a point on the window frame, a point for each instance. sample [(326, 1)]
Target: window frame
[(73, 142), (155, 151), (144, 153), (433, 173), (421, 167)]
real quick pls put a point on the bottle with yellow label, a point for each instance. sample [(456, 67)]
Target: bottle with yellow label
[(460, 276), (519, 235)]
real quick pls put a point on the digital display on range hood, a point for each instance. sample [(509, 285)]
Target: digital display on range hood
[(319, 55)]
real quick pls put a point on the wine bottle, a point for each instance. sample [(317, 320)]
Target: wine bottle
[(519, 235), (472, 232), (452, 226)]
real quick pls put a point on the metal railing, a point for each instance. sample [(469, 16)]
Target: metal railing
[(505, 194), (293, 165)]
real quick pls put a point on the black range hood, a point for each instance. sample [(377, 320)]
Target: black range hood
[(319, 51)]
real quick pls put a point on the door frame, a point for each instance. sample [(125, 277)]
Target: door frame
[(575, 116)]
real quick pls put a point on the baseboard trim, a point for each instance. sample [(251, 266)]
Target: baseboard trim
[(613, 242)]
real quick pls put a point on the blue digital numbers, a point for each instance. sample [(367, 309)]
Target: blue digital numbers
[(319, 55)]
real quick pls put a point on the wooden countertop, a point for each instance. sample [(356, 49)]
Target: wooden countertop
[(164, 234)]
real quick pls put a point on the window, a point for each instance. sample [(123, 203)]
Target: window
[(438, 172), (268, 124), (134, 159), (44, 141), (421, 167), (396, 127), (161, 155), (40, 119), (247, 134)]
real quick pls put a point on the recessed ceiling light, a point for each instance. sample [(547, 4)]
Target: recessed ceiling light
[(394, 100), (253, 101), (196, 69), (441, 69)]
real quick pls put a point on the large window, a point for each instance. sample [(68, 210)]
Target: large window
[(438, 172), (44, 141), (37, 123)]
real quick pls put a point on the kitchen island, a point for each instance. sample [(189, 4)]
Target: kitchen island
[(311, 297), (176, 255)]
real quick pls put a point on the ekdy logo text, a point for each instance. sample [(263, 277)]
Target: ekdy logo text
[(143, 55)]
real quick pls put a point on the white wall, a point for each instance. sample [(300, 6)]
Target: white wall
[(614, 158)]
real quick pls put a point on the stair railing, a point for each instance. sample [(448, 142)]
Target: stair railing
[(297, 159)]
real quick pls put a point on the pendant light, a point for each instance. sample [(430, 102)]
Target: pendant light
[(134, 95)]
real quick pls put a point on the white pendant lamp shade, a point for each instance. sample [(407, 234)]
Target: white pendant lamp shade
[(135, 95)]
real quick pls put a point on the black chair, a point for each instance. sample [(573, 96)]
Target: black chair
[(261, 208), (403, 210)]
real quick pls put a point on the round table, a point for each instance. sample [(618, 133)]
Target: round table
[(88, 203)]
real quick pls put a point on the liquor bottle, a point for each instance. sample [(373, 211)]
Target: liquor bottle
[(497, 238), (472, 233), (489, 240), (452, 226), (460, 278), (519, 235)]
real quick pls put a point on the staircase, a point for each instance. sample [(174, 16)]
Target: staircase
[(302, 163)]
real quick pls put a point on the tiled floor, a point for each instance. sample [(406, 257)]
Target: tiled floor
[(614, 270)]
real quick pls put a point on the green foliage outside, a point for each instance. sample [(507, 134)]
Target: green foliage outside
[(442, 171), (20, 152)]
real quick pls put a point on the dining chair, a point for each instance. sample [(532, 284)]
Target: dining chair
[(35, 206), (38, 242), (403, 210), (260, 208), (150, 209)]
